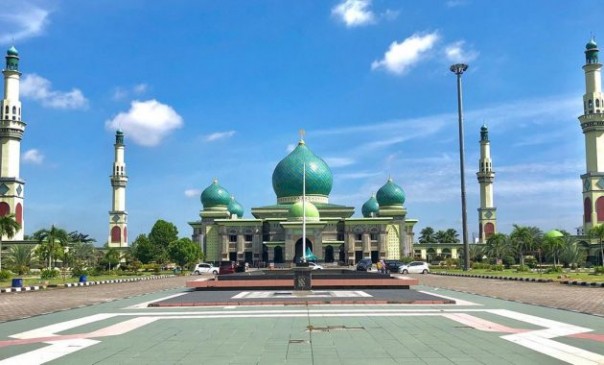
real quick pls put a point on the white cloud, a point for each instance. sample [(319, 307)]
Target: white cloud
[(290, 147), (455, 52), (121, 93), (40, 89), (20, 20), (190, 193), (219, 135), (401, 56), (339, 161), (354, 13), (33, 156), (147, 122)]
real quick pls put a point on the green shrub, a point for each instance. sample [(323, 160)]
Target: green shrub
[(5, 275), (599, 269), (480, 266), (530, 262), (557, 269), (49, 274), (523, 268), (508, 261), (496, 267), (77, 271)]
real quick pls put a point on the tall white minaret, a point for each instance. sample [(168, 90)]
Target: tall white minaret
[(487, 217), (592, 123), (118, 218), (11, 132)]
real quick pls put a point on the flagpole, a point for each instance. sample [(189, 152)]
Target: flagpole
[(304, 213)]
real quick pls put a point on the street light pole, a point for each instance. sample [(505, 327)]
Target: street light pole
[(458, 69)]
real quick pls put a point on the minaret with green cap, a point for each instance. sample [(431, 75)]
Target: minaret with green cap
[(11, 133), (118, 217), (592, 124), (487, 218)]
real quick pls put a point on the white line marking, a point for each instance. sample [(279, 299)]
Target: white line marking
[(53, 329), (146, 304), (57, 349), (457, 301)]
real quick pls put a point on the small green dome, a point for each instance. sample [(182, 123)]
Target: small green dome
[(288, 175), (390, 194), (591, 44), (12, 51), (371, 208), (296, 211), (553, 234), (235, 208), (215, 195)]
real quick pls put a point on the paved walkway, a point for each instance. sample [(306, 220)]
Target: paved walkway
[(581, 299)]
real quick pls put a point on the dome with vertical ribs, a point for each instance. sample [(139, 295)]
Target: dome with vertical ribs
[(235, 208), (371, 208), (215, 195), (390, 195)]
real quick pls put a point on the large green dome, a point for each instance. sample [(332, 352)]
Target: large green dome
[(287, 177), (215, 195), (390, 194), (553, 234), (235, 208), (371, 208), (297, 210)]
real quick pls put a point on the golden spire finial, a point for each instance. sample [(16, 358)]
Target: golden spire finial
[(301, 132)]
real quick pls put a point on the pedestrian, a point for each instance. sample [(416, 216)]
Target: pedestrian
[(383, 265)]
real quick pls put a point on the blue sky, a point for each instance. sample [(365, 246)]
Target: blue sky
[(208, 89)]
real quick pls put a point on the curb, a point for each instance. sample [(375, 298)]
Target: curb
[(511, 278), (88, 283), (583, 283)]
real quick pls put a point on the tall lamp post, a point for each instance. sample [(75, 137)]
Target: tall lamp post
[(458, 69)]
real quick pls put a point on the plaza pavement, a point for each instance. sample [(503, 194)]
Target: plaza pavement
[(477, 330)]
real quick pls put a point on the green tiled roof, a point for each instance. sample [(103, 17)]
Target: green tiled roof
[(370, 206), (235, 207), (390, 194), (215, 195)]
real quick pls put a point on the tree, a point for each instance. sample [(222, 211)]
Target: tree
[(8, 227), (598, 232), (498, 246), (184, 252), (440, 236), (572, 254), (452, 235), (554, 243), (143, 250), (83, 254), (21, 258), (52, 243), (111, 258), (524, 239), (76, 236), (426, 235), (160, 236)]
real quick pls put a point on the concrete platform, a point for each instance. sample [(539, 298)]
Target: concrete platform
[(291, 297), (284, 279)]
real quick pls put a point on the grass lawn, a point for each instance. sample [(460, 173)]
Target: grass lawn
[(579, 276), (34, 280)]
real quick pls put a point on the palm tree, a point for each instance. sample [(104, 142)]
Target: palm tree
[(598, 232), (498, 246), (452, 235), (52, 243), (426, 235), (524, 240), (554, 243), (8, 227), (21, 258), (440, 236)]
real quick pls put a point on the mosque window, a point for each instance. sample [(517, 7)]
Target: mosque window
[(19, 111), (248, 238), (587, 210), (359, 236), (373, 236), (14, 118), (600, 208), (489, 230), (232, 238), (116, 234), (6, 109), (597, 103), (340, 236), (19, 213), (4, 209), (14, 109)]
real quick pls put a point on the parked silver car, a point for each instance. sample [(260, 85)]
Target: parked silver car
[(414, 267)]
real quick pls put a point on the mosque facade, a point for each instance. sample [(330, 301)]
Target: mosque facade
[(302, 183)]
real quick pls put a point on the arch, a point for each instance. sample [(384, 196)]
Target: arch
[(14, 109), (125, 234), (446, 253), (298, 247), (430, 254), (597, 103), (19, 213), (264, 253), (342, 254), (587, 210), (329, 254), (4, 209), (489, 230), (6, 109), (600, 208), (116, 234), (278, 256)]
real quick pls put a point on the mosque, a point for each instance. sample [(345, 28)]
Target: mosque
[(302, 182)]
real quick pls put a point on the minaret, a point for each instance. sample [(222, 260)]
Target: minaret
[(11, 132), (487, 217), (118, 218), (592, 123)]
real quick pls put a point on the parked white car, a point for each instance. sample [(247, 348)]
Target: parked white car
[(204, 268), (414, 267)]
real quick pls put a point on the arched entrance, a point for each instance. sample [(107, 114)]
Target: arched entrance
[(298, 248), (342, 254), (329, 254), (278, 255), (264, 253)]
